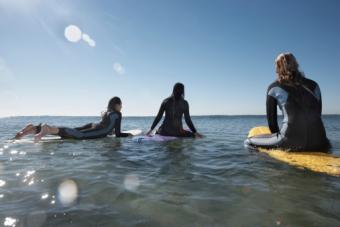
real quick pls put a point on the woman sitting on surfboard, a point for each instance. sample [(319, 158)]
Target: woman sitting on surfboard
[(175, 107), (300, 101), (111, 120)]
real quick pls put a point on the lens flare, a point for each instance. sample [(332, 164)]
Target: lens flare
[(73, 33), (131, 182), (67, 192)]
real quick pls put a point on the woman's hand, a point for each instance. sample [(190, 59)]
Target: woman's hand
[(149, 133), (198, 136)]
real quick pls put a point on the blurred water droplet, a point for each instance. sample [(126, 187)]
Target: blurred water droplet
[(5, 147), (2, 183), (131, 182), (1, 196), (67, 192), (53, 202), (44, 196), (17, 174), (10, 221), (31, 182), (22, 153)]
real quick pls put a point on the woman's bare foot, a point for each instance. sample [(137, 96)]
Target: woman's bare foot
[(29, 129), (45, 129)]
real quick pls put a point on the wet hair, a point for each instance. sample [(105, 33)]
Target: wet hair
[(178, 91), (287, 69), (112, 103)]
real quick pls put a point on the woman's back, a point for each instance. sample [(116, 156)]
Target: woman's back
[(301, 105), (174, 110)]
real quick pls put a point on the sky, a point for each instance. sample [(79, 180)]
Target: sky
[(69, 57)]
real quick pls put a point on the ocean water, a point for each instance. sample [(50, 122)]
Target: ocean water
[(212, 181)]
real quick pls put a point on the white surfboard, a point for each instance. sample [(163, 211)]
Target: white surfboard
[(51, 138)]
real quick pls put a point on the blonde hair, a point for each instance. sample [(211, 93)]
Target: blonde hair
[(287, 69)]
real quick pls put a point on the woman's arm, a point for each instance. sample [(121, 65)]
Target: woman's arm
[(84, 127), (272, 114), (118, 123), (187, 118), (158, 117)]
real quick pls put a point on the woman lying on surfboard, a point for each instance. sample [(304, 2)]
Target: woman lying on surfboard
[(111, 120), (299, 99), (175, 107)]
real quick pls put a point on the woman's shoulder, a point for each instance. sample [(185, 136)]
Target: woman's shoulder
[(113, 114), (310, 83), (274, 84)]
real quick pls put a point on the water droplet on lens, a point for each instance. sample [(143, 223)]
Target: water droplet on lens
[(131, 182), (67, 192)]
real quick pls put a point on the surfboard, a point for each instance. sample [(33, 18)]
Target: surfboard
[(154, 138), (50, 138), (320, 162)]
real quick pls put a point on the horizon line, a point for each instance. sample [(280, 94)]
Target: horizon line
[(136, 116)]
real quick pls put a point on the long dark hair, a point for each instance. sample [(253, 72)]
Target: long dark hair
[(112, 103), (178, 91)]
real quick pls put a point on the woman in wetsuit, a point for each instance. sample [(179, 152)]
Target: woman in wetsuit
[(300, 101), (111, 120), (175, 107)]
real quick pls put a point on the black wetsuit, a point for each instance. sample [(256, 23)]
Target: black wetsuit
[(110, 121), (302, 127), (172, 124)]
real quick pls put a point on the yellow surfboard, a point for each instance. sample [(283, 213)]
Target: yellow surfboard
[(314, 161)]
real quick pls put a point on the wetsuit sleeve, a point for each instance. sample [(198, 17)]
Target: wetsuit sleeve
[(118, 132), (159, 116), (272, 114), (187, 118)]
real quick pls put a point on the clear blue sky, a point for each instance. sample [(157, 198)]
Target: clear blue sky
[(223, 51)]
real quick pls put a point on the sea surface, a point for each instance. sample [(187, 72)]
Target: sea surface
[(212, 181)]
